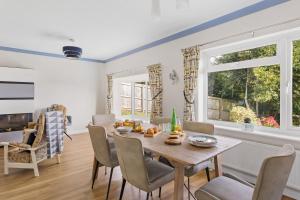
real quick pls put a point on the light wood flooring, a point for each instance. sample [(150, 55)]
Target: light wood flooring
[(72, 178)]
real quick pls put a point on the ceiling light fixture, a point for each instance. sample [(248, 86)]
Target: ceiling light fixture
[(72, 52), (155, 10)]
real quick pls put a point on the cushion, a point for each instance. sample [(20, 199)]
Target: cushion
[(157, 169), (189, 170), (31, 138), (226, 189)]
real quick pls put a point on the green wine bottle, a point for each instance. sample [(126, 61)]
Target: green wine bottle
[(173, 121)]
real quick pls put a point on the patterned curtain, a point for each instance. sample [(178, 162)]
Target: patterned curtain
[(109, 100), (191, 63), (155, 82)]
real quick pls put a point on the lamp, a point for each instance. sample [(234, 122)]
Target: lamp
[(72, 52)]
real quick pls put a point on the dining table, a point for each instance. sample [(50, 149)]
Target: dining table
[(185, 154)]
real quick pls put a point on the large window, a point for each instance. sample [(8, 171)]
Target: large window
[(132, 97), (254, 93), (296, 83), (258, 79)]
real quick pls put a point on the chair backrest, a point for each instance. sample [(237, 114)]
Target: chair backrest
[(200, 127), (40, 130), (131, 160), (100, 145), (103, 119), (161, 120), (274, 174)]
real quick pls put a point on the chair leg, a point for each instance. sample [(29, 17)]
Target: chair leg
[(147, 196), (95, 173), (110, 176), (122, 189), (159, 193), (190, 193), (105, 171), (58, 158), (6, 171), (189, 197), (34, 163), (207, 174)]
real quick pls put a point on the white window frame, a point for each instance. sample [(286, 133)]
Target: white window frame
[(117, 101), (283, 41)]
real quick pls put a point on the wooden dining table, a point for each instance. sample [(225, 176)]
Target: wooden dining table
[(185, 154)]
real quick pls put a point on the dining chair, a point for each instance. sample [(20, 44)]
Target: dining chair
[(142, 172), (270, 183), (106, 120), (101, 119), (105, 154), (161, 120), (198, 127)]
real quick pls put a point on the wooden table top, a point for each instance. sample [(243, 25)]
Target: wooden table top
[(184, 153)]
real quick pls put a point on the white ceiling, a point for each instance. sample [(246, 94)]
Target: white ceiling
[(103, 28)]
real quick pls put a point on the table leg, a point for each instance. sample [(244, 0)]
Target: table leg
[(218, 165), (179, 181)]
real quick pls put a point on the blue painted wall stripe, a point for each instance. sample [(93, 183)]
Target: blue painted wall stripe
[(217, 21), (264, 4), (45, 54)]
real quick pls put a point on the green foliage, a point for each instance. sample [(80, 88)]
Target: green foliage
[(266, 84), (257, 89), (239, 113), (296, 83), (259, 52)]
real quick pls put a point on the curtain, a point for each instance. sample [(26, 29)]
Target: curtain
[(109, 100), (190, 63), (155, 82)]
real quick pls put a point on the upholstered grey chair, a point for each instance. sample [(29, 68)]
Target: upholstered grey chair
[(106, 120), (270, 183), (161, 120), (199, 127), (101, 119), (105, 154), (142, 172)]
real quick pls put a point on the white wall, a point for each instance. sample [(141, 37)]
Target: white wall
[(75, 84), (170, 56)]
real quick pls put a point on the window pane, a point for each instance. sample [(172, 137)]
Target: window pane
[(296, 83), (245, 93), (259, 52), (138, 90), (126, 89), (125, 106), (125, 99)]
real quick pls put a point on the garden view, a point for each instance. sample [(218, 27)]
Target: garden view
[(253, 92)]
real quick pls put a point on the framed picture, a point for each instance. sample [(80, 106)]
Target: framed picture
[(16, 90)]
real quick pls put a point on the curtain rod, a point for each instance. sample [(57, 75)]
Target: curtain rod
[(252, 32), (130, 70)]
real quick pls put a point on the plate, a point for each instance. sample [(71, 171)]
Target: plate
[(202, 141), (124, 129)]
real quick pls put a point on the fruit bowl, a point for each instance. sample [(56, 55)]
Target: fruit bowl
[(124, 129)]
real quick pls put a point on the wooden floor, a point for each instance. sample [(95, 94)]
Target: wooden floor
[(72, 178)]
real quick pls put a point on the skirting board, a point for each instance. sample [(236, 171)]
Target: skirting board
[(75, 132)]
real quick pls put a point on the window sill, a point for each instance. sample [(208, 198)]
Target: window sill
[(277, 139)]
